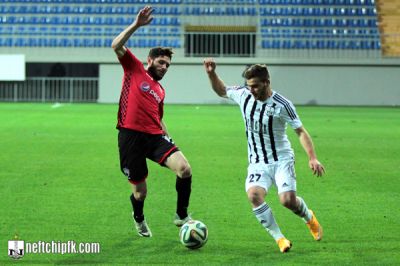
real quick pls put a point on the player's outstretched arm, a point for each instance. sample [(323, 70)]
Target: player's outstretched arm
[(306, 141), (143, 18), (216, 83)]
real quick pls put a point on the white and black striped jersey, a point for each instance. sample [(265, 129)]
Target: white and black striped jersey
[(265, 124)]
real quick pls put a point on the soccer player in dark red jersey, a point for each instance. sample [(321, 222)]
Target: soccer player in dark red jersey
[(142, 133)]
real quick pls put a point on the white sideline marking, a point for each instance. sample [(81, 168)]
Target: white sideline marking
[(56, 105)]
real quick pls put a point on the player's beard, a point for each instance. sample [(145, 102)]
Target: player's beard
[(154, 73), (261, 95)]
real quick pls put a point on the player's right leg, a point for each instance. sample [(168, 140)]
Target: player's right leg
[(257, 184), (132, 146), (137, 199)]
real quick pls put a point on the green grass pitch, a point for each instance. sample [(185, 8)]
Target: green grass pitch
[(60, 180)]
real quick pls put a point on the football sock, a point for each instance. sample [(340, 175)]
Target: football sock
[(264, 215), (183, 189), (302, 210), (137, 209)]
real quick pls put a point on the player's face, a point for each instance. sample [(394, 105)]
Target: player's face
[(258, 88), (157, 67)]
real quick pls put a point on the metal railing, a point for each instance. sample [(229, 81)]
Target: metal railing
[(224, 44), (45, 89)]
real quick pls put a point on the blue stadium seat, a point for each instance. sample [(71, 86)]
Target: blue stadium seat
[(175, 31), (287, 44), (66, 9), (87, 42), (52, 42), (271, 44), (6, 42), (376, 44), (11, 9), (266, 44), (22, 9), (230, 11), (331, 44), (97, 42), (265, 32), (21, 42), (107, 43), (6, 30), (65, 42)]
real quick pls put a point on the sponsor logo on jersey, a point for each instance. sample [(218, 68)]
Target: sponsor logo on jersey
[(256, 126), (269, 111), (144, 86), (155, 95)]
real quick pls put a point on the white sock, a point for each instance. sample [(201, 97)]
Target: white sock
[(303, 211), (264, 215)]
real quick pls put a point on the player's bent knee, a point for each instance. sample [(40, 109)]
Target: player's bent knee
[(184, 170), (255, 198), (288, 202), (140, 195)]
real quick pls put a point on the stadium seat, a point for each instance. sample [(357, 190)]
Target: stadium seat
[(107, 42), (266, 44), (6, 42)]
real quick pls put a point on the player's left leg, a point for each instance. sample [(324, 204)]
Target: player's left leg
[(181, 167), (165, 153), (298, 206)]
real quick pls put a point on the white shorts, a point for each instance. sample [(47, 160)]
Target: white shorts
[(280, 174)]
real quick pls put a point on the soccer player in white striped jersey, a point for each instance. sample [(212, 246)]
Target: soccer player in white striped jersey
[(271, 158)]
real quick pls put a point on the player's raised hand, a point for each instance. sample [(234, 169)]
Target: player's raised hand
[(209, 65), (144, 16), (317, 167)]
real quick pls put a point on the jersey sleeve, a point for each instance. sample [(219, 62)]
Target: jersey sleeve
[(129, 62), (289, 115), (235, 93)]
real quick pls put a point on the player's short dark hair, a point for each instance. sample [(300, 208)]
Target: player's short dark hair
[(160, 51), (257, 71)]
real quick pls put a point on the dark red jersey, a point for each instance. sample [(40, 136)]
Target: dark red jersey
[(142, 98)]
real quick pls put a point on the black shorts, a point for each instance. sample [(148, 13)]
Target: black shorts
[(135, 147)]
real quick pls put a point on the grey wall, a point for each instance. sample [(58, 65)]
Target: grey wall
[(335, 84), (338, 85)]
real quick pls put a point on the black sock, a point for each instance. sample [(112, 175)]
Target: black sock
[(183, 188), (137, 207)]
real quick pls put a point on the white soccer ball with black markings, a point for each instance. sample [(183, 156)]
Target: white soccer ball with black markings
[(193, 234)]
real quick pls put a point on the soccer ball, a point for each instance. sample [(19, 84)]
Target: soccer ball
[(193, 234)]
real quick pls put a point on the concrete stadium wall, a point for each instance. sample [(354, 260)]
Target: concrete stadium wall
[(333, 79), (312, 83)]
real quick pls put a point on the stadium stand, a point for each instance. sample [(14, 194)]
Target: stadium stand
[(84, 23), (319, 24), (282, 24)]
